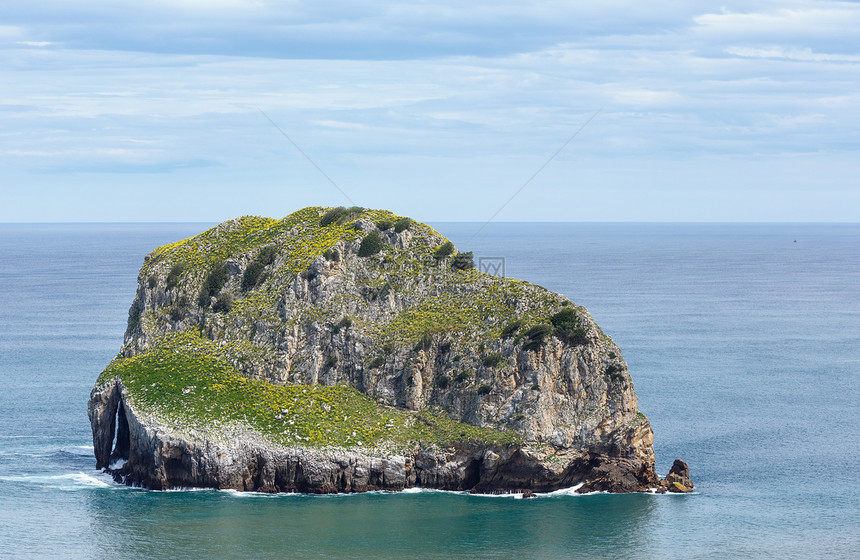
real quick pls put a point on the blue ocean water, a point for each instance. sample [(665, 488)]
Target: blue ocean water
[(743, 342)]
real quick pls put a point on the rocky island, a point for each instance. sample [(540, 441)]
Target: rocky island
[(347, 350)]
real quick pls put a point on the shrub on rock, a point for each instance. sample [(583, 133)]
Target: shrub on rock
[(370, 245)]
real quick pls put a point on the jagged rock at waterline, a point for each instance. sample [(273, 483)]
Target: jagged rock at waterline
[(347, 350), (678, 479)]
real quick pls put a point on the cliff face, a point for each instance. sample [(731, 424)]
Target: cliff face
[(350, 349)]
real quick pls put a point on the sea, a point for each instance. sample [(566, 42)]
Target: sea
[(743, 341)]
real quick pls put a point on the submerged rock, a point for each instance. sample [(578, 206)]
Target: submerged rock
[(346, 350)]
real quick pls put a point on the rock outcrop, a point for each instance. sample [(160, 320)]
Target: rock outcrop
[(678, 479), (346, 350)]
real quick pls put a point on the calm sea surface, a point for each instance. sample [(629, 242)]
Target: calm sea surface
[(743, 342)]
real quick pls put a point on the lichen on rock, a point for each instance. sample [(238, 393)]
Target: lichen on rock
[(347, 349)]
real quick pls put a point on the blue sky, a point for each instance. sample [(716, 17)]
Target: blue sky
[(128, 111)]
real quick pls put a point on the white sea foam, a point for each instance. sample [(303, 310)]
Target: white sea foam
[(419, 490), (572, 491), (98, 480), (78, 450), (67, 481), (185, 489), (117, 464), (30, 437), (504, 495), (257, 495)]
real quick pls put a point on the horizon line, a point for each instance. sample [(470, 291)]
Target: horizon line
[(726, 222)]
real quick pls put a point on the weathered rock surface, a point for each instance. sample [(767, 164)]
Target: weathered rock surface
[(411, 331), (156, 457), (678, 479)]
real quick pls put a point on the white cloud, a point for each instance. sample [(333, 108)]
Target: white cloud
[(208, 6), (465, 97), (89, 153), (805, 55), (34, 43), (627, 95), (340, 125), (10, 32), (808, 18)]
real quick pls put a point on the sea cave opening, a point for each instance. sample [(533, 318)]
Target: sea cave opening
[(472, 474), (119, 455)]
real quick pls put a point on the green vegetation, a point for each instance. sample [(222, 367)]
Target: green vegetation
[(615, 372), (213, 283), (384, 224), (340, 215), (444, 250), (267, 255), (370, 245), (253, 272), (424, 343), (436, 427), (181, 383), (567, 327), (252, 275), (178, 312), (224, 303), (463, 261), (494, 360), (229, 238), (403, 224), (344, 323), (331, 255), (295, 240), (330, 362), (469, 313), (175, 273), (511, 329), (536, 337)]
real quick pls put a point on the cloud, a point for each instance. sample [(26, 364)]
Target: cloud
[(465, 98), (625, 95), (10, 31), (804, 20), (804, 55), (353, 29)]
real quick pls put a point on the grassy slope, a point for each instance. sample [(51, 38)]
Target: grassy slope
[(184, 384)]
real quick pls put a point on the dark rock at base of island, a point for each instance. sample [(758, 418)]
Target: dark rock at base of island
[(350, 350)]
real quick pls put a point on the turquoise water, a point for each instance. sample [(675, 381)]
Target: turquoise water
[(744, 346)]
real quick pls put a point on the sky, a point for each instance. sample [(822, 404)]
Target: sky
[(119, 110)]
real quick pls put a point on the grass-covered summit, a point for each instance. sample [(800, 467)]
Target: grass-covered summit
[(353, 328)]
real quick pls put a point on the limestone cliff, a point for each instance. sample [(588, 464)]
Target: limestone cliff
[(350, 349)]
